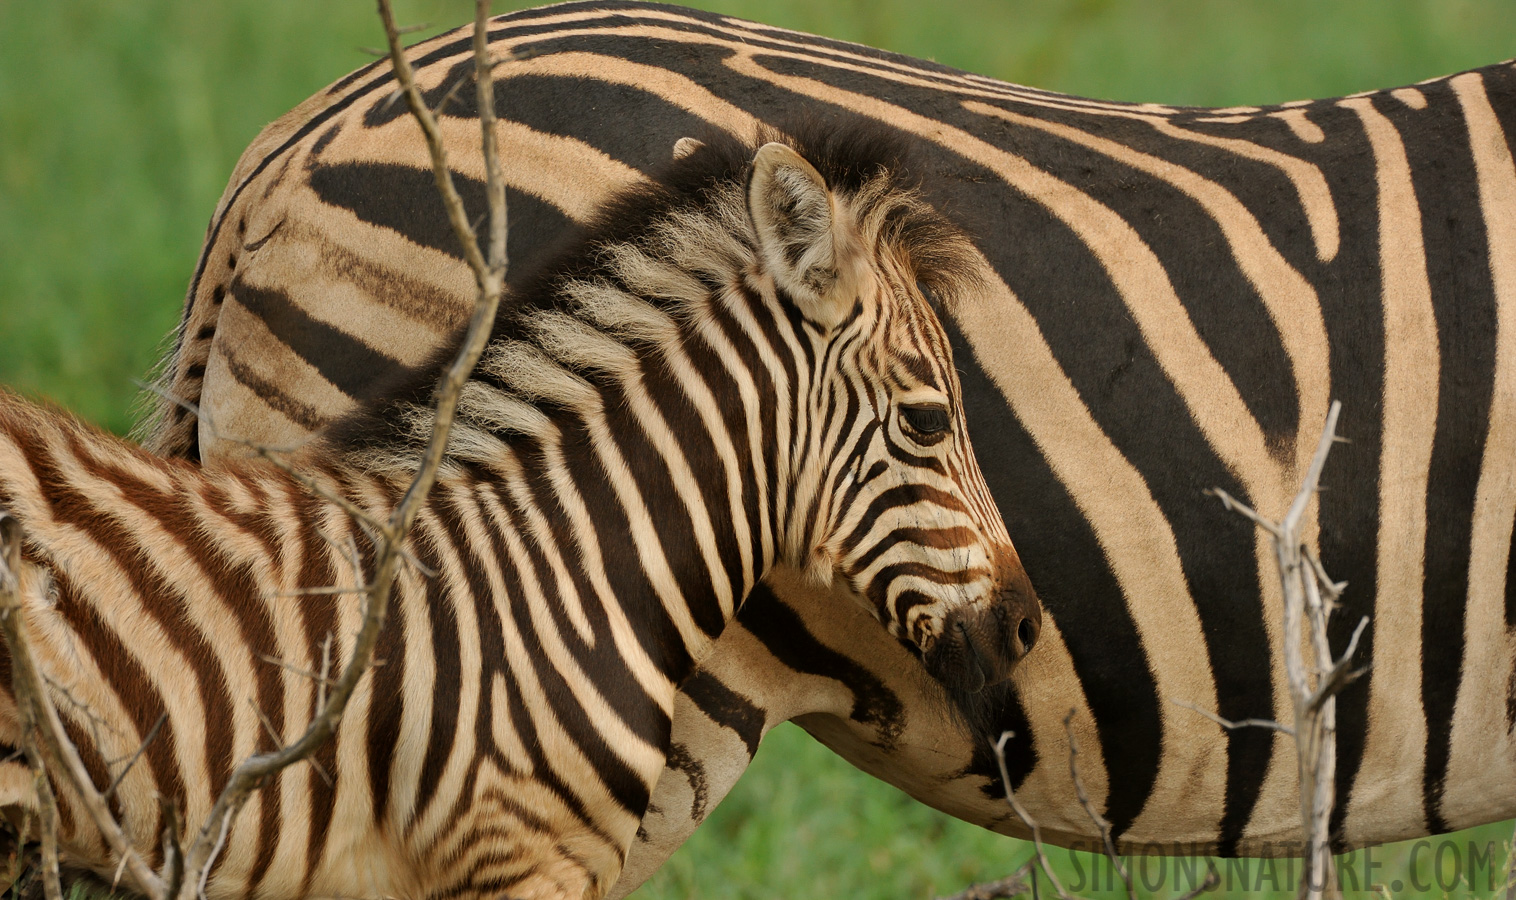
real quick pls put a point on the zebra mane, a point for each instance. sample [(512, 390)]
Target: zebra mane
[(649, 261)]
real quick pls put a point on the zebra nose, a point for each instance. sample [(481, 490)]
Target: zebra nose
[(1026, 634), (976, 649)]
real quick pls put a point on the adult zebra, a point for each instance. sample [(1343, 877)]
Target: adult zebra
[(739, 353), (1178, 292)]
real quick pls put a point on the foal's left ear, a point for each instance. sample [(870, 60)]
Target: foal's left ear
[(805, 242)]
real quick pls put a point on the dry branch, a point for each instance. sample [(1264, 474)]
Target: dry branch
[(1107, 844), (489, 275), (1024, 816), (1231, 725), (48, 748), (1309, 599), (1012, 885)]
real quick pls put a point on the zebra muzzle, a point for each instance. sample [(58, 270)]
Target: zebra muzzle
[(981, 647)]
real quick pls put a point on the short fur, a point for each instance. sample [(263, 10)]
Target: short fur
[(652, 429)]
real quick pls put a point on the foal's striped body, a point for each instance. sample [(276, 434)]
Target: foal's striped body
[(1175, 296)]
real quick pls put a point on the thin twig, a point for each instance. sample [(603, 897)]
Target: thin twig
[(1089, 808), (52, 886), (1212, 878), (324, 681), (294, 669), (141, 749), (1331, 590), (1011, 885), (1023, 815), (1230, 725), (1232, 504), (1309, 598), (48, 746), (186, 873), (1341, 674), (315, 592), (314, 486), (391, 535), (173, 854), (484, 83), (274, 456), (406, 79)]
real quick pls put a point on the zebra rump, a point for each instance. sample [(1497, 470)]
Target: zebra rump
[(1173, 296)]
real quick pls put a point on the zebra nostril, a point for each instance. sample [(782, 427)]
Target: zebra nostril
[(1027, 633)]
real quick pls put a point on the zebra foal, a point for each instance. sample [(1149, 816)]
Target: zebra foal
[(737, 367), (1173, 297)]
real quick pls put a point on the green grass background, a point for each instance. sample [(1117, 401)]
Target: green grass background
[(120, 121)]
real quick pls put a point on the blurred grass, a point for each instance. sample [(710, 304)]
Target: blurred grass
[(120, 121), (802, 824)]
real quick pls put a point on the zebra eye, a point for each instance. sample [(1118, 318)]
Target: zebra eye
[(926, 420)]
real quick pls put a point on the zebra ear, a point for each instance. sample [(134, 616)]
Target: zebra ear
[(801, 241)]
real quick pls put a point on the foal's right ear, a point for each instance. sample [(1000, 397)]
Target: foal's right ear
[(805, 247), (685, 146)]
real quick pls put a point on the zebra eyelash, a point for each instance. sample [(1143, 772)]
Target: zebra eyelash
[(928, 423)]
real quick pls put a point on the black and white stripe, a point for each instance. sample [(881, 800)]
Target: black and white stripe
[(1174, 296), (736, 367)]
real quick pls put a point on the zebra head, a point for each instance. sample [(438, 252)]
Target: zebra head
[(738, 366), (886, 489)]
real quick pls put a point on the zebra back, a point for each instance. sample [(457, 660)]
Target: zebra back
[(1173, 297)]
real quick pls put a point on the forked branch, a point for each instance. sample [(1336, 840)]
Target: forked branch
[(1309, 599), (489, 276), (48, 748)]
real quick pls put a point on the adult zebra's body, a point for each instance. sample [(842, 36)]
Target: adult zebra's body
[(1178, 293), (740, 354)]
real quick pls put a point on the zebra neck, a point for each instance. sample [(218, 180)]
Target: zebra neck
[(618, 522)]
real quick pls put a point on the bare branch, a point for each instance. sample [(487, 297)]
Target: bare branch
[(52, 887), (316, 592), (1341, 674), (1331, 590), (390, 536), (1308, 489), (1024, 816), (1011, 885), (1232, 504), (1309, 598), (326, 670), (48, 746), (311, 484), (141, 749), (173, 854), (484, 82), (303, 673), (1212, 878), (406, 78), (1089, 808), (1230, 725), (276, 457)]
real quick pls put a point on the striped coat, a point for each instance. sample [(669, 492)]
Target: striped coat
[(1176, 295), (739, 366)]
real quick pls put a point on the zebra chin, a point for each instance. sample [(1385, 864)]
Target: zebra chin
[(979, 647)]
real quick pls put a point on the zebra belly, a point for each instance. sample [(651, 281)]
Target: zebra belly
[(1173, 297)]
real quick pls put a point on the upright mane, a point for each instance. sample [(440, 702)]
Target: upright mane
[(653, 257)]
